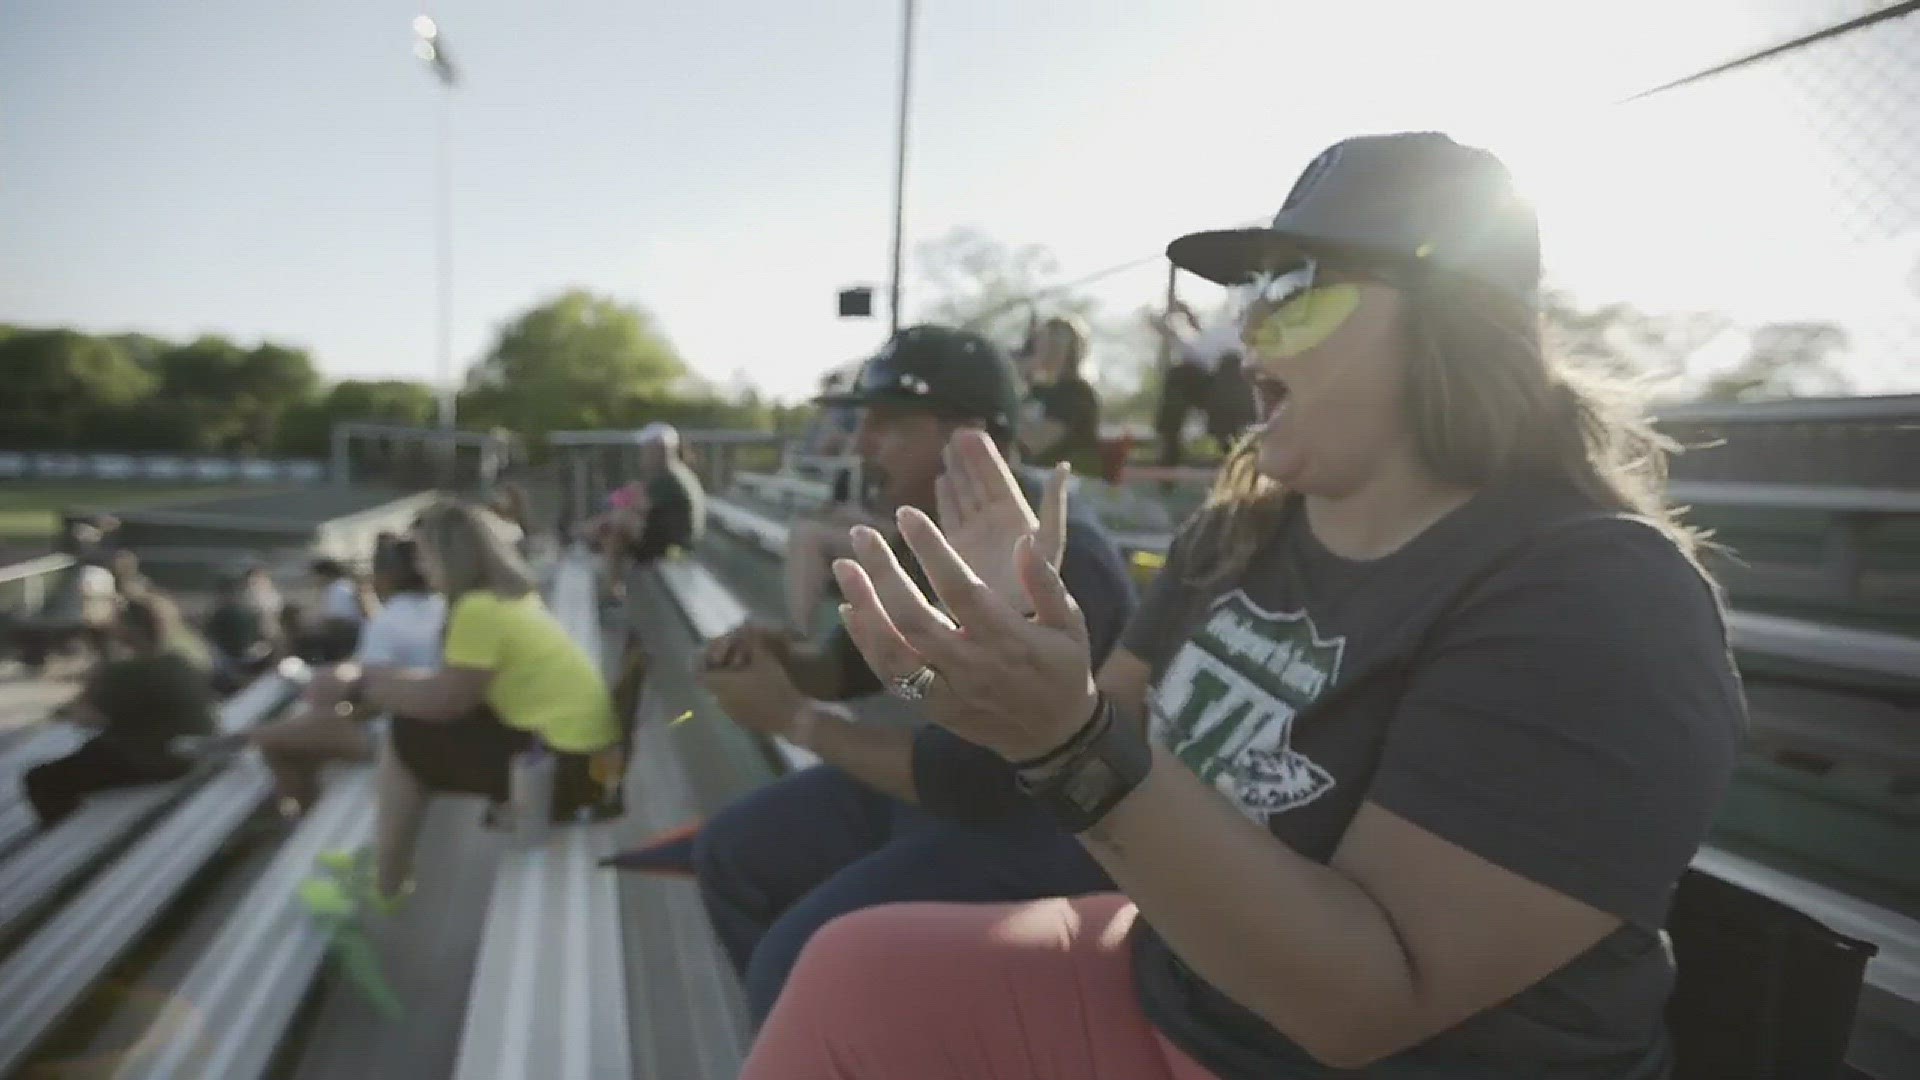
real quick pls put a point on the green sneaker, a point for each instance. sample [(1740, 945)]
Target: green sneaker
[(353, 870), (336, 898), (326, 898)]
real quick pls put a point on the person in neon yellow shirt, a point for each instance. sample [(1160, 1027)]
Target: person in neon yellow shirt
[(511, 678)]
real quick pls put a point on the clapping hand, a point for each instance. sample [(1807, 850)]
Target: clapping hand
[(1017, 685), (984, 514)]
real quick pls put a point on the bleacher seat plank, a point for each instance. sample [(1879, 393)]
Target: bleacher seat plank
[(17, 824), (1825, 498), (17, 820), (55, 858), (50, 972), (257, 971), (549, 994), (751, 525), (689, 1017), (712, 610), (49, 740), (1843, 649)]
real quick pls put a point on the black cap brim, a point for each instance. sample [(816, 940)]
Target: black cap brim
[(1234, 256)]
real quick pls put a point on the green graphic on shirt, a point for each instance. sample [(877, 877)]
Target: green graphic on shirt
[(1226, 704)]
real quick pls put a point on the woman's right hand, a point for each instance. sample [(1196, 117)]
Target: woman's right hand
[(984, 514)]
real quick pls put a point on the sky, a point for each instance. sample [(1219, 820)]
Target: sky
[(268, 170)]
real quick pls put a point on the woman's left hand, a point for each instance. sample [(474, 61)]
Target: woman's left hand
[(1017, 686)]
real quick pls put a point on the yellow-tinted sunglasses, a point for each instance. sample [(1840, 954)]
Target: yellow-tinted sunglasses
[(1287, 314)]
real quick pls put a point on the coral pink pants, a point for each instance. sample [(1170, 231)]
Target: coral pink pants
[(968, 992)]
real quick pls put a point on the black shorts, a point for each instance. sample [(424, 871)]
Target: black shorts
[(470, 755), (474, 755)]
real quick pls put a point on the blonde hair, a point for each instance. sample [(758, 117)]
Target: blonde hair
[(510, 502), (472, 551), (1485, 404)]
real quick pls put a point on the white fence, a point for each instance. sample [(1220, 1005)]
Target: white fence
[(194, 468)]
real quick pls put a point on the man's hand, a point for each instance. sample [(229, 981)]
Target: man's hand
[(329, 685), (750, 683), (732, 648)]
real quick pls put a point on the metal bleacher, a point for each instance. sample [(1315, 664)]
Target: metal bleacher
[(258, 970), (549, 997), (512, 960), (56, 962)]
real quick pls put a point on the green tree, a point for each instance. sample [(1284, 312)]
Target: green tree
[(572, 362), (307, 428), (968, 278), (58, 380), (235, 397), (1784, 360)]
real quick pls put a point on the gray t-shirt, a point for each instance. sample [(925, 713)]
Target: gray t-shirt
[(1540, 683)]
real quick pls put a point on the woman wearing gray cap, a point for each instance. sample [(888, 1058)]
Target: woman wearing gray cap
[(1400, 759)]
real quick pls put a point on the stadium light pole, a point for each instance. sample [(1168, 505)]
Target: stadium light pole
[(900, 161), (429, 45)]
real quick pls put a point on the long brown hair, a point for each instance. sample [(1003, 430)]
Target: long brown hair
[(1485, 403), (473, 552)]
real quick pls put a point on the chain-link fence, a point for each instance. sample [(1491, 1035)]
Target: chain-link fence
[(1759, 219)]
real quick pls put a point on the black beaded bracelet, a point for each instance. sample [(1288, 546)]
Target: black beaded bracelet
[(1087, 733)]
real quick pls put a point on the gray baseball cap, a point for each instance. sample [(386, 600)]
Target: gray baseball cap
[(1414, 199)]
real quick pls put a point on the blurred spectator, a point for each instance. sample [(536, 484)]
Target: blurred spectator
[(265, 596), (80, 606), (128, 579), (509, 502), (245, 637), (663, 511), (895, 812), (136, 705), (404, 634), (343, 610), (674, 511), (1061, 418), (1205, 375), (511, 679)]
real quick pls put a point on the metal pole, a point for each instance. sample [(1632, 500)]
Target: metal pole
[(1173, 295), (444, 256), (900, 160)]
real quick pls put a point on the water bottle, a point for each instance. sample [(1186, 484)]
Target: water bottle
[(530, 790)]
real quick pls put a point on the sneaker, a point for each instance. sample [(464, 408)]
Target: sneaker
[(353, 873), (327, 898)]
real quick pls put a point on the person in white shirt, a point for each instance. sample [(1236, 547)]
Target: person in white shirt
[(343, 611), (405, 633), (1205, 375)]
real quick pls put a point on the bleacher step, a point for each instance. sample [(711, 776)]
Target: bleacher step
[(258, 970)]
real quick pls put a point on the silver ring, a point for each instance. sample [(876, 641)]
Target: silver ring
[(914, 684)]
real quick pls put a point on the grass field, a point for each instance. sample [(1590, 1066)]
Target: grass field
[(30, 510)]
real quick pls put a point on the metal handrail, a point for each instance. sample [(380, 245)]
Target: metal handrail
[(1888, 407), (45, 564), (31, 578)]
